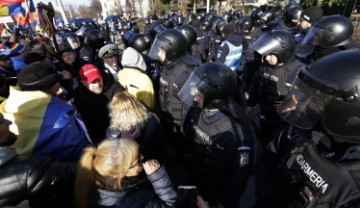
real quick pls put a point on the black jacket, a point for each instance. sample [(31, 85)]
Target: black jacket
[(272, 84), (43, 181), (93, 108), (155, 191)]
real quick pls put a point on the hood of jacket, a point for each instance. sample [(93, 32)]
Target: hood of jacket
[(133, 59)]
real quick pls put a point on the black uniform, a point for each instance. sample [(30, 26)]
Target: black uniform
[(270, 85), (221, 155)]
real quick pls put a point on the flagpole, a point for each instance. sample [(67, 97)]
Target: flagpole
[(18, 20)]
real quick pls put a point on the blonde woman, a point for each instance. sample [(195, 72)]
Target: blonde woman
[(112, 175), (130, 118)]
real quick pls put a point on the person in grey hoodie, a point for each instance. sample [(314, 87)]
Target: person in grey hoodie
[(134, 79)]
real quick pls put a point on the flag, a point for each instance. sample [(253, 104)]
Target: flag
[(31, 6), (20, 17), (44, 125), (11, 9), (30, 9), (8, 2)]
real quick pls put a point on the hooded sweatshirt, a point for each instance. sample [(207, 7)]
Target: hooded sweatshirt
[(134, 80)]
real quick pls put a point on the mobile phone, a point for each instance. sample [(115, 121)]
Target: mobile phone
[(187, 196)]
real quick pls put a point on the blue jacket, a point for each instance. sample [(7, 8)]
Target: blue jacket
[(159, 193)]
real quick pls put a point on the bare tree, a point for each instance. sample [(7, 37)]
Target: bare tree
[(96, 8)]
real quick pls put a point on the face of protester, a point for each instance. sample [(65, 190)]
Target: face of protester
[(69, 57), (136, 168), (112, 60), (271, 59), (7, 138), (95, 87)]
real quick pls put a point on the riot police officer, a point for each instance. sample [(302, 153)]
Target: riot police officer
[(272, 80), (323, 166), (220, 141), (170, 48), (85, 51), (329, 35)]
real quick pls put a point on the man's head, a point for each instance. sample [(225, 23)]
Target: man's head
[(91, 78), (211, 85), (169, 45), (310, 16), (68, 55), (109, 54), (39, 76), (7, 138)]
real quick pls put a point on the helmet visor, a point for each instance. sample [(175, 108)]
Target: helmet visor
[(74, 43), (158, 51), (312, 39), (265, 44), (193, 90), (304, 104)]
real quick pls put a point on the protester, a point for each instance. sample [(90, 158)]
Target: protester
[(44, 124), (134, 80), (113, 174)]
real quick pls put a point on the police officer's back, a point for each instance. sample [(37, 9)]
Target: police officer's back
[(220, 141)]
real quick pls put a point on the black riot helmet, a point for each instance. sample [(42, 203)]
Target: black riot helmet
[(247, 24), (330, 31), (288, 7), (227, 17), (140, 42), (327, 93), (238, 14), (189, 33), (166, 16), (200, 16), (190, 17), (156, 28), (220, 25), (126, 37), (255, 16), (169, 44), (83, 30), (206, 25), (179, 20), (267, 17), (72, 40), (148, 20), (95, 39), (214, 82), (60, 34), (292, 15), (278, 42), (210, 16)]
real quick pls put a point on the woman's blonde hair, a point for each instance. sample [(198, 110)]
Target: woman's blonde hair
[(126, 112), (104, 167)]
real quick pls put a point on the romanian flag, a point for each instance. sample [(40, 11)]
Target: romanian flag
[(8, 2), (11, 9), (44, 125)]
